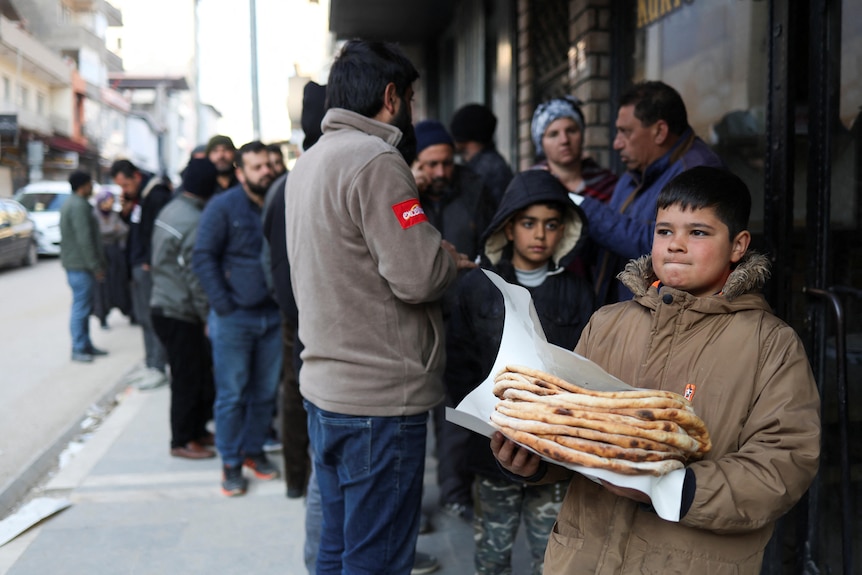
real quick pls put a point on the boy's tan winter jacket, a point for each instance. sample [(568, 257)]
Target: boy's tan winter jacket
[(757, 396)]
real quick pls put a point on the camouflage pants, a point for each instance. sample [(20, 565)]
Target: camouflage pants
[(500, 505)]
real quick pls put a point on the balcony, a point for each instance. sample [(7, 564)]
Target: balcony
[(37, 59), (112, 14)]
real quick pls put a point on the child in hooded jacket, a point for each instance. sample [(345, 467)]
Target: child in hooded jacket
[(698, 326), (535, 232)]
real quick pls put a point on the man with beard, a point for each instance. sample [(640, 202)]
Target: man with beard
[(367, 270), (244, 322), (221, 152), (459, 204)]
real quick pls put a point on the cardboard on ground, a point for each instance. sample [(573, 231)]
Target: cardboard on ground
[(524, 343)]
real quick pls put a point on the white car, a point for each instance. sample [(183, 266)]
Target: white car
[(43, 200)]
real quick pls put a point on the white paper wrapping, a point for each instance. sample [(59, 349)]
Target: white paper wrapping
[(524, 343)]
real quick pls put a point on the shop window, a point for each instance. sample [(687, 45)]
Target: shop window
[(715, 55)]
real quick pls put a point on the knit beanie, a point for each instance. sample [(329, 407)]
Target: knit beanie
[(548, 112), (219, 140), (473, 123), (431, 133), (199, 177), (313, 109)]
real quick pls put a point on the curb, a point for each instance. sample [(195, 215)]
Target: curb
[(16, 489)]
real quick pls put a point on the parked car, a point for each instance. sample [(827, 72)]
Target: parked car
[(17, 235), (43, 200)]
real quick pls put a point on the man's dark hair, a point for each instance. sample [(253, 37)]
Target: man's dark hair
[(360, 73), (253, 147), (78, 179), (654, 101), (125, 167), (274, 149), (705, 187)]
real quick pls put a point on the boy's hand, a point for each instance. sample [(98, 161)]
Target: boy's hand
[(629, 493), (513, 457), (461, 260)]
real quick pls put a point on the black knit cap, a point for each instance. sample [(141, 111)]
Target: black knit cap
[(78, 179), (473, 123), (220, 140), (313, 101), (199, 177)]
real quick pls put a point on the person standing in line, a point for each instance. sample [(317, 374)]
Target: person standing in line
[(472, 129), (276, 160), (557, 130), (82, 258), (114, 291), (367, 270), (459, 204), (144, 195), (536, 231), (656, 144), (244, 321), (179, 313), (221, 151)]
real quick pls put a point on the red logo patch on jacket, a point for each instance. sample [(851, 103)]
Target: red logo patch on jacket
[(409, 213)]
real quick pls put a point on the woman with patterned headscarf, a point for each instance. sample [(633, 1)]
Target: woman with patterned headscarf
[(558, 136)]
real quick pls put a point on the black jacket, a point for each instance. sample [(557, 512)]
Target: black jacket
[(152, 197), (564, 301)]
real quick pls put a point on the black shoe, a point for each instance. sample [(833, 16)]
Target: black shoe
[(295, 492), (424, 563), (82, 357), (424, 524), (261, 466), (93, 350), (232, 481)]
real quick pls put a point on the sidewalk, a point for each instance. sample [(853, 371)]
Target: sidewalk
[(135, 509)]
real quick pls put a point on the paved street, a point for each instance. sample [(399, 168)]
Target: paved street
[(43, 395), (135, 509)]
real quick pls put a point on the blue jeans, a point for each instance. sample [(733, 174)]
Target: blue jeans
[(313, 518), (82, 283), (141, 290), (246, 349), (369, 471)]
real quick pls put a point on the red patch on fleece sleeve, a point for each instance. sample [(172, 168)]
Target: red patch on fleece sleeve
[(409, 213)]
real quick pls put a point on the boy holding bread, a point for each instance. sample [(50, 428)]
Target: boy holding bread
[(699, 327)]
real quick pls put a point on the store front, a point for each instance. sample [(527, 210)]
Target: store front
[(776, 90)]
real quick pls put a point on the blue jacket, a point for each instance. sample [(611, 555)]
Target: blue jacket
[(624, 226), (227, 252)]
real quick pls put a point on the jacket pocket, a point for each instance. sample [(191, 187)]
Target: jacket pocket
[(431, 341), (565, 551), (649, 559)]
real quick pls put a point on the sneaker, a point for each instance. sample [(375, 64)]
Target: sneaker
[(151, 379), (96, 351), (82, 357), (271, 445), (261, 466), (424, 563), (232, 481)]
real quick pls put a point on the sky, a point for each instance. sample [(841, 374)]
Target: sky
[(158, 38)]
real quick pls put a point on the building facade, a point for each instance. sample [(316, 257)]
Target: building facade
[(775, 87)]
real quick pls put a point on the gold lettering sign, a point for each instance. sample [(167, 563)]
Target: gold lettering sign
[(651, 11)]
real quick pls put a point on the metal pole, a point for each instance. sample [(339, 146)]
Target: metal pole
[(200, 136), (255, 105)]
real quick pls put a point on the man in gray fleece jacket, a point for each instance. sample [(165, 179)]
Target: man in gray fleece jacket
[(367, 270)]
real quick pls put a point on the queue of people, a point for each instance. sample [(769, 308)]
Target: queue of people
[(354, 284)]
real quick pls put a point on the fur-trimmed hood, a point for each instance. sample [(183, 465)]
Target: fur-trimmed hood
[(749, 275)]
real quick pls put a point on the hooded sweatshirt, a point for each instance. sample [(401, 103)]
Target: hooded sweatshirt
[(563, 301), (754, 390)]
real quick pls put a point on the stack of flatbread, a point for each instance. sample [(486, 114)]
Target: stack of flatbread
[(633, 432)]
